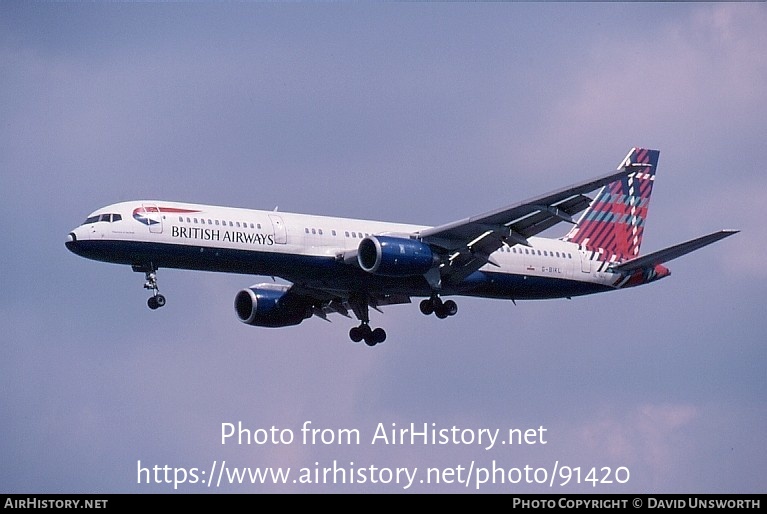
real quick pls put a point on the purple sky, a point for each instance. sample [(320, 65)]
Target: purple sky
[(420, 113)]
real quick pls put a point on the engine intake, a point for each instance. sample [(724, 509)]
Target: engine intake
[(271, 305), (394, 256)]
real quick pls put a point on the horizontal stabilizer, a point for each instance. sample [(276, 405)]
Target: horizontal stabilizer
[(672, 252)]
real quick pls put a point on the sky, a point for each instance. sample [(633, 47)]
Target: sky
[(420, 113)]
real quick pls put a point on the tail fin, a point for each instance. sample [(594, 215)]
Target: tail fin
[(614, 222)]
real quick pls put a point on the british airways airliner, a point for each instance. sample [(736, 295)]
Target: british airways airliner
[(338, 265)]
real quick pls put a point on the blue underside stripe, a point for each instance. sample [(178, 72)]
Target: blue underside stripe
[(325, 273)]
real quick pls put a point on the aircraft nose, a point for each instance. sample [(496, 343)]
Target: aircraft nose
[(71, 242)]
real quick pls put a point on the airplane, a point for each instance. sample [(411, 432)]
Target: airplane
[(337, 265)]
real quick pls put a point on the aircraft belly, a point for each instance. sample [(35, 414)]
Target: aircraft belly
[(322, 272), (527, 287)]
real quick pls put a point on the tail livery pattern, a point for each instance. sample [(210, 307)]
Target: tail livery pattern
[(613, 225)]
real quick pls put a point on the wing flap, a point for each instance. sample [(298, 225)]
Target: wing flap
[(333, 302)]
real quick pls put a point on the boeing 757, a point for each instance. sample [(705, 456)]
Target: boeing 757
[(339, 265)]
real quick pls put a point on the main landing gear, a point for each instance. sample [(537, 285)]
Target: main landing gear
[(372, 337), (156, 300), (436, 306)]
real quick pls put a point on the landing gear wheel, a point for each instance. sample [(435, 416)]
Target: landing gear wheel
[(375, 337), (155, 302), (355, 334), (365, 333), (438, 308)]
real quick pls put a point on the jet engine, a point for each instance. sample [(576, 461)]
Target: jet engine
[(271, 305), (395, 256)]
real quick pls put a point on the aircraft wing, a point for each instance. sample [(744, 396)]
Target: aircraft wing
[(470, 241), (653, 259)]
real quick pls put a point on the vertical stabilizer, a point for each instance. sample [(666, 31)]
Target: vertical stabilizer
[(614, 222)]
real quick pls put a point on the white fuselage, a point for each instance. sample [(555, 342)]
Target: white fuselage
[(203, 237)]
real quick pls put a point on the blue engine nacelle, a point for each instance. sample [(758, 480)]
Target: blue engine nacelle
[(271, 305), (395, 256)]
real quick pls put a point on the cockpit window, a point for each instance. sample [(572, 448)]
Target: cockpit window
[(109, 218)]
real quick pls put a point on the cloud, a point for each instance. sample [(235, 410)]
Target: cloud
[(673, 79), (415, 113)]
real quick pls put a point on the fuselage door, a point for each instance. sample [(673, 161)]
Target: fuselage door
[(280, 233), (585, 262), (153, 217)]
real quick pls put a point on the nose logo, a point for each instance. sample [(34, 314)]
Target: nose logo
[(147, 215)]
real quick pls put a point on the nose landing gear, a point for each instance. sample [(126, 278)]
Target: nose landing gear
[(156, 300)]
